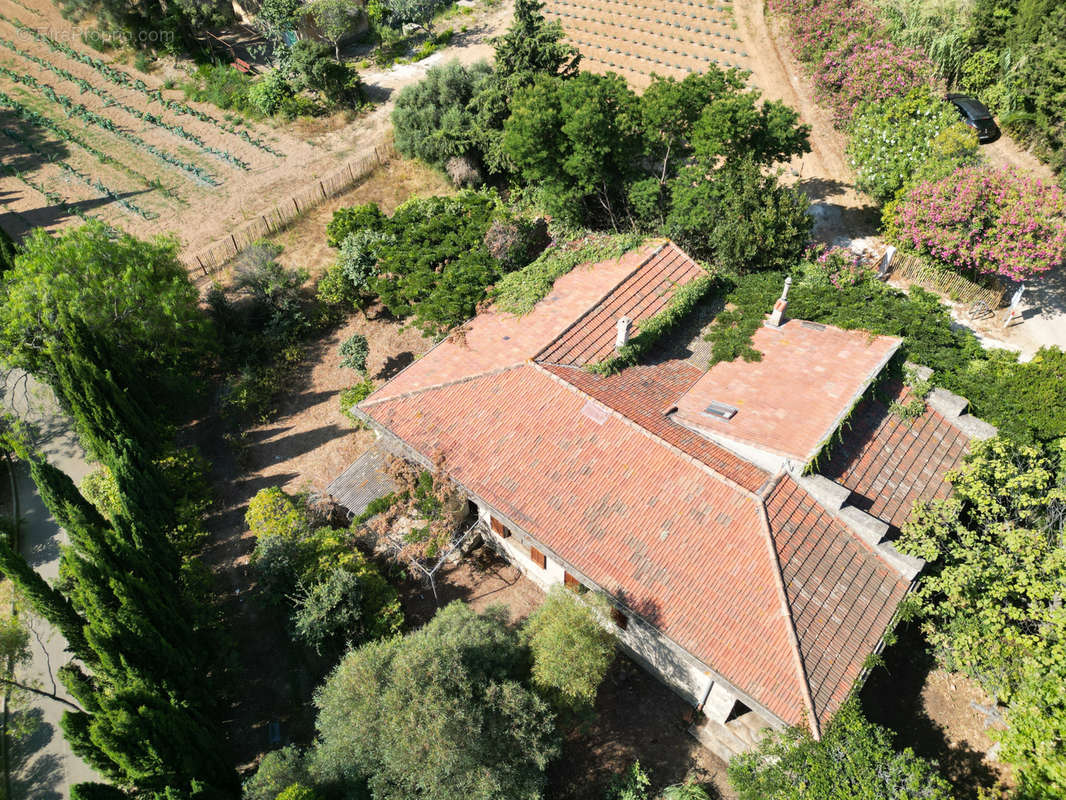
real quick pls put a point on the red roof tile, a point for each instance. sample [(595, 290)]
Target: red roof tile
[(496, 339), (643, 294), (684, 548), (792, 400), (891, 463), (842, 595), (643, 394), (665, 519)]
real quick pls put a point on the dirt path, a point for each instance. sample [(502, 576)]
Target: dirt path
[(841, 212)]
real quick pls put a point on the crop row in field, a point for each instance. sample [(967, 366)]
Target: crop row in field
[(124, 79), (110, 100), (73, 108)]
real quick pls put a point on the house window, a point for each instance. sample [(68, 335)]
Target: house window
[(538, 558), (619, 618), (499, 528), (571, 582)]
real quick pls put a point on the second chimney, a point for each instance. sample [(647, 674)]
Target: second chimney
[(778, 314), (624, 325)]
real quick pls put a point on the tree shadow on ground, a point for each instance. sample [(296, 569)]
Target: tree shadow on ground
[(47, 216), (636, 718), (35, 775), (394, 364), (892, 697), (836, 224), (821, 188)]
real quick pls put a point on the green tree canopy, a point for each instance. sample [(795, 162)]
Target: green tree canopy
[(420, 13), (441, 714), (136, 293), (335, 19), (992, 598), (578, 141), (531, 46), (277, 17), (1035, 738), (597, 152), (854, 758), (739, 218), (147, 19), (571, 648), (435, 119)]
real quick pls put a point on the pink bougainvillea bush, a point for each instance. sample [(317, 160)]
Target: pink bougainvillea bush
[(818, 26), (990, 221), (867, 71), (849, 52)]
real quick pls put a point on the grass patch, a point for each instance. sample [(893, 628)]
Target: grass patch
[(519, 291)]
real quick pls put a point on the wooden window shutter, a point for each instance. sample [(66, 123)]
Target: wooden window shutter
[(538, 558), (619, 618), (499, 528), (570, 581)]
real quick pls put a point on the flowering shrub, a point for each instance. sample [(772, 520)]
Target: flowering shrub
[(838, 266), (990, 221), (868, 71), (892, 140), (815, 25)]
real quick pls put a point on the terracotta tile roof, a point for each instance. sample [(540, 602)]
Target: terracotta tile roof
[(643, 294), (644, 393), (684, 548), (890, 463), (842, 594), (795, 397), (663, 518), (496, 339)]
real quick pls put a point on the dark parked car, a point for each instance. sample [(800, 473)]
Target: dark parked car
[(976, 115)]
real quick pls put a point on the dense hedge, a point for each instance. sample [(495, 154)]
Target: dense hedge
[(430, 261)]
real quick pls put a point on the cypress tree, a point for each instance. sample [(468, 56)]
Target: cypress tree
[(48, 602), (96, 791), (144, 723)]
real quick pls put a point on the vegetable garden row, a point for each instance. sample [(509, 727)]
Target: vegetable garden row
[(115, 145)]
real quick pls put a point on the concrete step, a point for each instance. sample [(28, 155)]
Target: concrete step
[(749, 727), (717, 738)]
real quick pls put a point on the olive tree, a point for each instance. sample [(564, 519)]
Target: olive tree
[(441, 713)]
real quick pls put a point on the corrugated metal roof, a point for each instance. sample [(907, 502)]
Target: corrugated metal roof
[(362, 483)]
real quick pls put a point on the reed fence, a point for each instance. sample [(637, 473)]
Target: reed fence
[(211, 258), (954, 286)]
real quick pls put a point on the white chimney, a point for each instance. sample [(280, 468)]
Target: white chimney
[(623, 326), (778, 315)]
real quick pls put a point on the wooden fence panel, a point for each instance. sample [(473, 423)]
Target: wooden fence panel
[(956, 287)]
